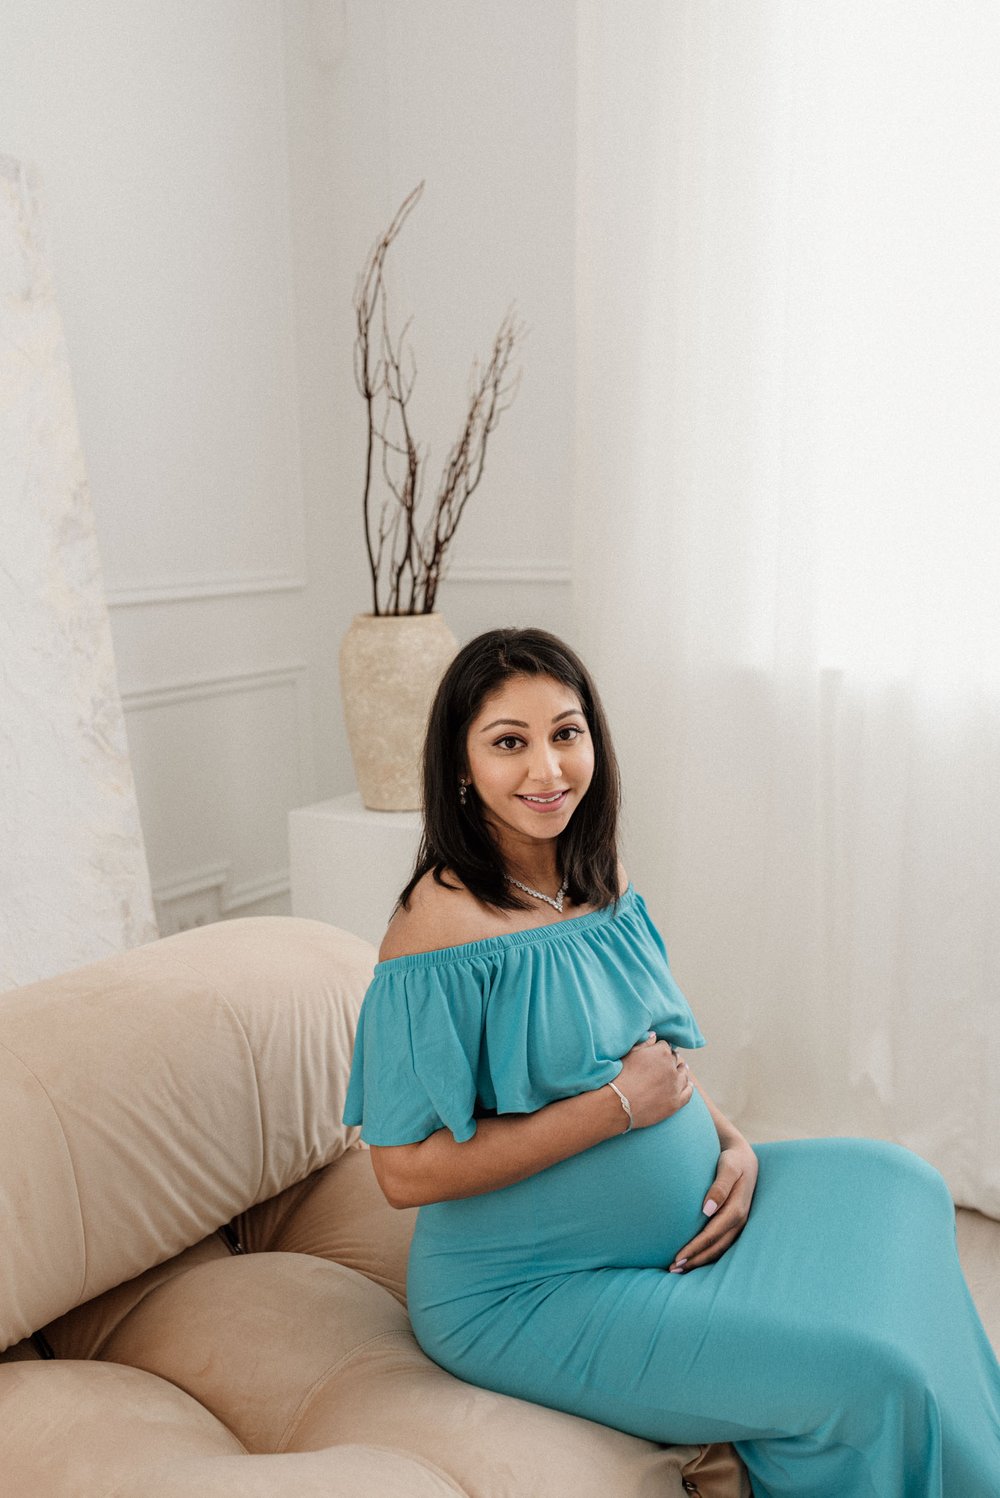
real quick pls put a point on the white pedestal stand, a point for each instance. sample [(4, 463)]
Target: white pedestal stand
[(348, 864)]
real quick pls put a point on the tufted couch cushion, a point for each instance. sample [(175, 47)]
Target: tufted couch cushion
[(206, 1253)]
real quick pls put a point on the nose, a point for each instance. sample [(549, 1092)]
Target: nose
[(544, 763)]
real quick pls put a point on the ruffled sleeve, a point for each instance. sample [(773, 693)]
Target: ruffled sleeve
[(681, 1027), (510, 1023), (416, 1053)]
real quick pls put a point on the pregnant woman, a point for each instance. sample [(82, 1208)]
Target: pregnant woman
[(593, 1233)]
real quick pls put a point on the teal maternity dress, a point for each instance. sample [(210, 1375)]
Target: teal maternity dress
[(835, 1343)]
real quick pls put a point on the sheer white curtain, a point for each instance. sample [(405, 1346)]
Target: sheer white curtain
[(788, 540)]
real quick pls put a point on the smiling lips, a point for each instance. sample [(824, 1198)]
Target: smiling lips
[(545, 803)]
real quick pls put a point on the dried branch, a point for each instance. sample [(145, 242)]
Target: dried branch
[(489, 397), (412, 565), (371, 381)]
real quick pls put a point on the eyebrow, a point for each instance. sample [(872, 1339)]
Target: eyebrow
[(571, 712)]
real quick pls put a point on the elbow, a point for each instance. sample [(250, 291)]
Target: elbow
[(397, 1186), (398, 1197), (402, 1191)]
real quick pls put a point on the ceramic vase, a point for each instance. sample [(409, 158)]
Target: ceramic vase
[(390, 666)]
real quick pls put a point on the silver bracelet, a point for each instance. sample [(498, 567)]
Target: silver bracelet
[(625, 1104)]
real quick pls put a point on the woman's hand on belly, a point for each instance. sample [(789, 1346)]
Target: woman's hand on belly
[(656, 1081), (728, 1207)]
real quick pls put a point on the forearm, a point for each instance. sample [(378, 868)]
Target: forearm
[(502, 1151)]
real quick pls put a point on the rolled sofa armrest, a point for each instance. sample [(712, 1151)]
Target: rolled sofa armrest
[(148, 1098)]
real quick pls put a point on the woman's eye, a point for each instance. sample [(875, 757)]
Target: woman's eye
[(562, 735)]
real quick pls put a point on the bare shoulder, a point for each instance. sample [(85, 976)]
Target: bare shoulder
[(622, 878), (437, 916)]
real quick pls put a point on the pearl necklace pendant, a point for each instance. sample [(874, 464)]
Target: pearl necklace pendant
[(556, 902)]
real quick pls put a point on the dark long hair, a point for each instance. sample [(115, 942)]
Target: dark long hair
[(457, 837)]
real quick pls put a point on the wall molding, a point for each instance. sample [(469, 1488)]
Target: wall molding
[(188, 589), (189, 889), (216, 878), (511, 572), (194, 882), (235, 585), (252, 891), (195, 688)]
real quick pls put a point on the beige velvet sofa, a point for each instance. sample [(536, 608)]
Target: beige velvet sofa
[(202, 1291)]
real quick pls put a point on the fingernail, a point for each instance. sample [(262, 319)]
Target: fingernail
[(677, 1270), (710, 1207)]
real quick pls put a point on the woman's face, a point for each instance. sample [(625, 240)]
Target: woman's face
[(531, 759)]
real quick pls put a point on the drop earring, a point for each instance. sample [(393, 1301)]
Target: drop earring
[(463, 793)]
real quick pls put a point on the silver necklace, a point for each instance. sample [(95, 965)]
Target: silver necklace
[(556, 902)]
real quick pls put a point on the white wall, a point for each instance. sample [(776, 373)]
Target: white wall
[(214, 175), (478, 100), (159, 134)]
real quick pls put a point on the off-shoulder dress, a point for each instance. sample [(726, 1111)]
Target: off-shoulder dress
[(835, 1343)]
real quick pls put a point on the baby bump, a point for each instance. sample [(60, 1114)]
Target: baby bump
[(632, 1200)]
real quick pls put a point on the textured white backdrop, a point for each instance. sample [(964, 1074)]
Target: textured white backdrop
[(73, 879)]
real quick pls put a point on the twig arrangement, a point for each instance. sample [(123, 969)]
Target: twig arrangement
[(407, 564)]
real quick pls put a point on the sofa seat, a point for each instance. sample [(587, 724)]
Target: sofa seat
[(206, 1291)]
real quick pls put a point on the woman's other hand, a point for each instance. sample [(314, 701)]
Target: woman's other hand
[(656, 1081), (727, 1205)]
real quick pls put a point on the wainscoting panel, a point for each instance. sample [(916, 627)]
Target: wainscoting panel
[(219, 761)]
